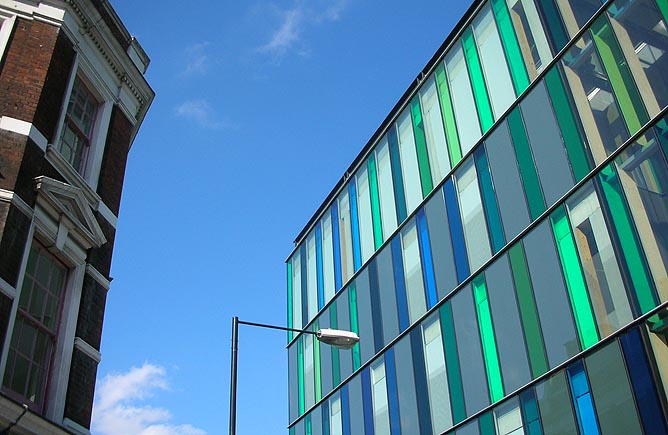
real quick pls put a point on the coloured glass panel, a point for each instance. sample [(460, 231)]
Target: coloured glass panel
[(434, 132), (346, 236), (582, 400), (508, 418), (437, 381), (364, 316), (415, 291), (576, 13), (511, 46), (441, 245), (454, 151), (480, 91), (421, 146), (297, 291), (490, 204), (489, 345), (375, 203), (355, 404), (406, 386), (364, 214), (381, 415), (311, 276), (328, 257), (530, 35), (409, 162), (388, 300), (554, 404), (464, 107), (388, 212)]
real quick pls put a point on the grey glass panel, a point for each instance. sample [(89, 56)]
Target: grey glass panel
[(462, 98), (473, 215), (476, 395), (355, 404), (417, 302), (507, 181), (549, 289), (299, 428), (441, 245), (508, 418), (507, 325), (388, 298), (406, 386), (614, 400), (325, 356), (364, 318), (293, 394), (575, 13), (554, 404), (548, 149), (437, 377), (316, 420), (469, 429), (335, 423), (343, 320)]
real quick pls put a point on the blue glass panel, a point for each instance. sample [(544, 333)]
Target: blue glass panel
[(456, 231), (367, 403), (325, 418), (427, 261), (355, 226), (400, 284), (643, 385), (584, 406), (392, 395), (376, 315), (397, 178), (338, 280), (421, 388), (318, 261), (345, 411)]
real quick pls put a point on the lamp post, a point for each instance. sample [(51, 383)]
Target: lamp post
[(333, 337)]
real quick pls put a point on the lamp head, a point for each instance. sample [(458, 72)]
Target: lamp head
[(338, 338)]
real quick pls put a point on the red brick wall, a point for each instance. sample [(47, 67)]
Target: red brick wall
[(112, 173)]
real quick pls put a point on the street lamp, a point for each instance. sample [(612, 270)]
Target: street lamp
[(333, 337)]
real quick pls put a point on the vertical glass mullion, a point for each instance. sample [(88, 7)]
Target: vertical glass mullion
[(448, 115), (488, 341), (526, 164), (452, 364), (575, 146), (427, 261), (528, 311), (421, 147), (354, 221), (577, 289), (375, 203), (511, 46), (489, 199), (619, 74), (477, 81), (354, 324), (628, 239), (397, 178), (456, 231), (318, 261)]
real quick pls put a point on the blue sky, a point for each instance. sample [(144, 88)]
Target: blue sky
[(260, 108)]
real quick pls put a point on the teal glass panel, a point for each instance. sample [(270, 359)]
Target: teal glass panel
[(354, 324), (365, 213), (452, 364), (554, 26), (454, 149), (489, 199), (300, 373), (397, 177), (511, 46), (290, 303), (489, 347), (477, 81), (421, 147), (434, 132), (385, 192), (531, 35)]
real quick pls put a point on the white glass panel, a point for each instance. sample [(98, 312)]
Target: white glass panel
[(388, 212), (364, 212), (309, 380), (297, 290), (473, 217), (335, 425), (311, 276), (381, 415), (493, 61), (439, 395), (328, 257), (433, 126), (462, 98), (417, 304), (508, 418), (409, 163), (345, 234)]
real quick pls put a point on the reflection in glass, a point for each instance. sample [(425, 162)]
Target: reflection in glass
[(435, 135), (473, 217), (531, 35), (466, 115), (409, 162)]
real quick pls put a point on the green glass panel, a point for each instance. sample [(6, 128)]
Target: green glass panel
[(575, 146), (336, 370), (300, 373), (628, 239), (289, 278), (555, 27), (489, 199), (663, 6), (486, 424), (528, 312), (511, 46), (375, 203), (619, 74), (488, 341), (316, 363), (454, 149), (477, 81), (577, 289), (307, 424), (526, 165), (452, 363), (421, 147), (354, 324)]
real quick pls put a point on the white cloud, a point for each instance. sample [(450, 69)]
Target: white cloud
[(120, 406), (294, 22), (197, 59), (199, 111)]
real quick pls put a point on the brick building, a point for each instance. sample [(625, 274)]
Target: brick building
[(72, 97)]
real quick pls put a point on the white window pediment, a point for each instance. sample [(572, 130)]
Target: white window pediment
[(68, 208)]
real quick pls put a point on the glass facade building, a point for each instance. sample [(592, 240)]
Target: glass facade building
[(501, 243)]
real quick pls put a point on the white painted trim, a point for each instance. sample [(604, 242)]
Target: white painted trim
[(17, 201), (6, 33), (90, 351), (99, 142), (24, 128), (7, 289), (107, 214), (75, 427), (97, 276)]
